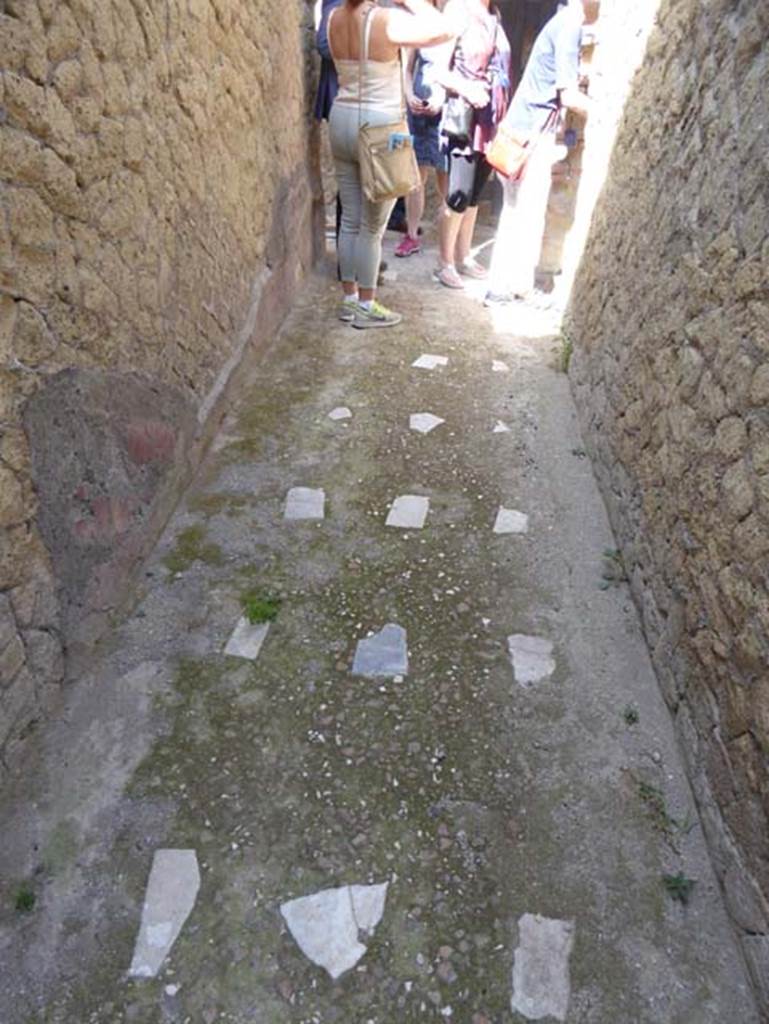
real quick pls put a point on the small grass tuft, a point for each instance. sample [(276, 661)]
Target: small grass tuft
[(260, 607), (565, 352), (191, 546), (679, 887), (25, 899), (669, 827), (614, 571), (631, 716)]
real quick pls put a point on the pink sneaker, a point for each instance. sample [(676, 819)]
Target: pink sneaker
[(408, 247)]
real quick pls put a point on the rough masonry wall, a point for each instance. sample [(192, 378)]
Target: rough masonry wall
[(156, 205), (670, 323)]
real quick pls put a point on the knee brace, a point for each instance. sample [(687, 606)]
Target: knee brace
[(458, 201)]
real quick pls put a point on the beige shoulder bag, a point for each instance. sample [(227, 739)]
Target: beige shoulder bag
[(388, 164)]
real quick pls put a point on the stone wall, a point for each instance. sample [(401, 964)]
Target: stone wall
[(157, 197), (670, 326)]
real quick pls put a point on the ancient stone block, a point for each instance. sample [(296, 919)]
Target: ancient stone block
[(759, 386), (32, 341), (7, 323), (18, 703), (731, 437), (11, 660), (12, 510), (45, 657), (737, 490), (63, 35)]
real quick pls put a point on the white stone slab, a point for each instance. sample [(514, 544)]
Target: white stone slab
[(428, 362), (171, 893), (424, 422), (305, 503), (408, 512), (532, 658), (500, 367), (541, 983), (247, 639), (329, 925), (383, 654), (340, 413), (510, 521), (501, 428)]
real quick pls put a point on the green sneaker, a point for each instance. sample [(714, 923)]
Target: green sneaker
[(377, 316), (346, 311)]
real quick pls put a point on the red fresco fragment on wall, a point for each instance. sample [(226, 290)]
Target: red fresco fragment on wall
[(150, 441)]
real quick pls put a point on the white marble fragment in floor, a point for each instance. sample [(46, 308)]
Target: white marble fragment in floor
[(428, 362), (383, 654), (501, 428), (408, 512), (510, 521), (424, 422), (247, 639), (389, 276), (305, 503), (541, 983), (499, 367), (340, 413), (532, 658), (171, 893), (329, 925)]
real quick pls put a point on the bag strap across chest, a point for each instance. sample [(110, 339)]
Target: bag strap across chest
[(367, 23)]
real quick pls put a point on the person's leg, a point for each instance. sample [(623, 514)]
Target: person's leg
[(368, 249), (505, 242), (348, 177), (348, 183), (460, 188), (448, 229), (368, 252), (415, 204), (415, 208), (531, 207), (442, 182), (465, 235), (471, 267)]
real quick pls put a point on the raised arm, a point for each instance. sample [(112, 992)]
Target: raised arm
[(567, 48), (408, 83), (474, 92), (419, 24)]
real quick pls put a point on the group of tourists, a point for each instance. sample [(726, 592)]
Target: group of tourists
[(449, 65)]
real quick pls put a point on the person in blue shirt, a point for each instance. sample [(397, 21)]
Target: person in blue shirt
[(328, 84), (550, 84)]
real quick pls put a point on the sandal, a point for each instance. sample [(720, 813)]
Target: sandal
[(472, 268), (448, 277)]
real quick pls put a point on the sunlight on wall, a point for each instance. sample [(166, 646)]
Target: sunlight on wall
[(621, 35)]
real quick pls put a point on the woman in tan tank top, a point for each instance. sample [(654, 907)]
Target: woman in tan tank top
[(378, 100)]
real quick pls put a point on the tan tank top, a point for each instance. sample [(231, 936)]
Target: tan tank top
[(381, 86)]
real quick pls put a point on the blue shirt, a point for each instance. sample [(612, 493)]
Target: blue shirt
[(552, 66), (328, 85)]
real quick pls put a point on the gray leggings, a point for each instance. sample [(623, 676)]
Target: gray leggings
[(363, 222)]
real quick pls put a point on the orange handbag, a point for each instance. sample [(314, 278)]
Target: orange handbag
[(509, 151)]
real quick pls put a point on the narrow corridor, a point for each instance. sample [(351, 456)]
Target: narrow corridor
[(494, 793)]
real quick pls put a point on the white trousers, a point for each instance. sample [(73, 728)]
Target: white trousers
[(522, 222)]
